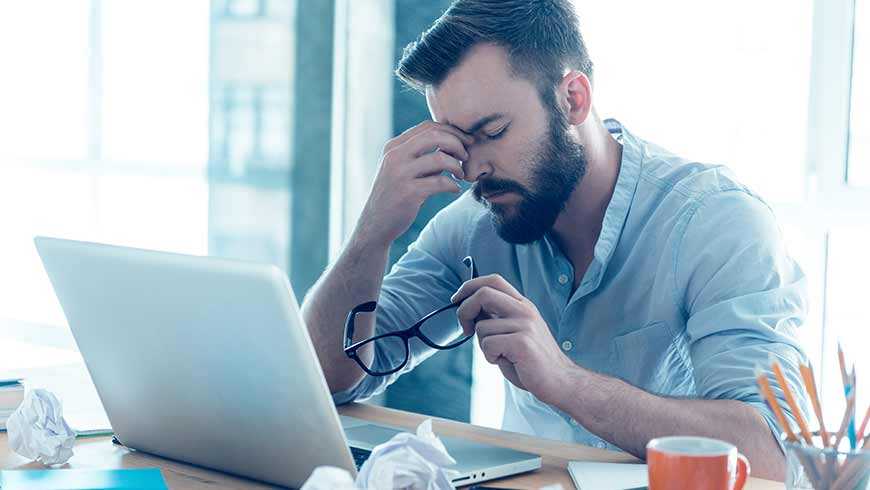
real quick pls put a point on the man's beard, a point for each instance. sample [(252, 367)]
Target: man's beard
[(557, 167)]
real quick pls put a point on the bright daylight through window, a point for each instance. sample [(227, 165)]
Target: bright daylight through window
[(99, 143), (859, 120)]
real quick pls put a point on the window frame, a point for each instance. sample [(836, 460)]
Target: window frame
[(829, 200), (94, 163), (829, 114)]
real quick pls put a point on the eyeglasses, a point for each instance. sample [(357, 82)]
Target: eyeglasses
[(432, 329)]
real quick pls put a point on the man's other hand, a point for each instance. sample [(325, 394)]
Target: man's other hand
[(513, 335)]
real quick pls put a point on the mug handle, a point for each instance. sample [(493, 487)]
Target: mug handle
[(743, 470)]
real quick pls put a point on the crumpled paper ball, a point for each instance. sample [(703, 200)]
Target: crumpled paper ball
[(38, 431), (407, 462), (329, 478)]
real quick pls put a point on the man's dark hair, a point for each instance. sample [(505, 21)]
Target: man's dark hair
[(542, 38)]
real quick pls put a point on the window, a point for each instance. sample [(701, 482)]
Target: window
[(105, 134), (155, 87), (709, 82), (846, 311), (859, 133), (38, 106), (162, 125)]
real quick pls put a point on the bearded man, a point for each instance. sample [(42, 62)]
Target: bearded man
[(624, 292)]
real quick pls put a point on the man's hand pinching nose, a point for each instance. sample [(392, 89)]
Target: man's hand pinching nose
[(409, 173)]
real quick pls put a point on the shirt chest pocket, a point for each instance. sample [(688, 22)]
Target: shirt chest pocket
[(654, 358)]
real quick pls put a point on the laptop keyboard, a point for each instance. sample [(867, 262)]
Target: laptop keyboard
[(359, 456)]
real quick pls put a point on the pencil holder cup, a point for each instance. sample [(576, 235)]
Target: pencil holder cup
[(817, 468)]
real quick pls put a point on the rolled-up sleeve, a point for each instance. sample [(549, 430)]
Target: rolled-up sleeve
[(422, 280), (744, 298)]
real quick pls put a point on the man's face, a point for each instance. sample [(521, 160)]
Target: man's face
[(523, 163)]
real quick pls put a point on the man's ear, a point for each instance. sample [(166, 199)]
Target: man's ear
[(574, 96)]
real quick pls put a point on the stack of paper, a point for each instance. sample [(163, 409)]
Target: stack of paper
[(11, 395), (73, 387), (607, 476)]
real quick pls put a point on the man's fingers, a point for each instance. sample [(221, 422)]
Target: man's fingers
[(428, 186), (496, 326), (408, 134), (488, 302), (424, 127), (428, 141), (495, 281), (497, 348), (436, 162), (465, 138)]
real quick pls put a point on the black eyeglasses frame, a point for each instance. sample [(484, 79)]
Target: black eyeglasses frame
[(351, 348)]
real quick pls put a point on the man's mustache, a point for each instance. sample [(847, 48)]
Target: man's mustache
[(491, 186)]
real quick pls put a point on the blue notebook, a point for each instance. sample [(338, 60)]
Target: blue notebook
[(142, 479)]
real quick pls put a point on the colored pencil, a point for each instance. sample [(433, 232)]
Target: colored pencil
[(864, 424), (853, 440), (850, 407), (790, 400), (843, 374), (767, 393), (810, 385)]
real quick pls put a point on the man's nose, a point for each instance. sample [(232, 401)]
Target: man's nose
[(476, 167)]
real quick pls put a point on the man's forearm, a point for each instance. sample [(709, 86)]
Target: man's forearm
[(408, 174), (630, 417), (355, 278)]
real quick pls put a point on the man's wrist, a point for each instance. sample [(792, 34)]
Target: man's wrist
[(587, 393), (360, 268), (573, 383), (365, 239)]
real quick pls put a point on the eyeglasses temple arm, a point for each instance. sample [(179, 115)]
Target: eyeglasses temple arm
[(367, 307), (469, 262)]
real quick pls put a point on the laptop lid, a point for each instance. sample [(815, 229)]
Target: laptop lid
[(199, 359)]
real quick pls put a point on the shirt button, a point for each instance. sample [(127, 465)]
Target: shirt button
[(600, 445), (567, 345), (574, 423), (563, 279)]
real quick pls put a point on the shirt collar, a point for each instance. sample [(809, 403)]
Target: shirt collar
[(617, 209), (620, 202)]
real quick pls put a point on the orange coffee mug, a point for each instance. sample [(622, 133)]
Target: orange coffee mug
[(681, 462)]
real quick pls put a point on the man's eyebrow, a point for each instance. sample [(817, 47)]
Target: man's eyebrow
[(481, 123)]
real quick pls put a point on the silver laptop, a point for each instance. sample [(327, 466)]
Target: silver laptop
[(207, 361)]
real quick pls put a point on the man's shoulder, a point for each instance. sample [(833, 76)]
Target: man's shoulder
[(685, 185), (689, 178)]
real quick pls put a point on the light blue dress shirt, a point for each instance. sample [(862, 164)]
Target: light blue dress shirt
[(690, 287)]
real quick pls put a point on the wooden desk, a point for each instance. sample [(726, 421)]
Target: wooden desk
[(100, 453)]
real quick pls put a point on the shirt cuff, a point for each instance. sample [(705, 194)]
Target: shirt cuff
[(365, 389)]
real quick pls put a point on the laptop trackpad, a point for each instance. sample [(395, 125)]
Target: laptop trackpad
[(368, 436)]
